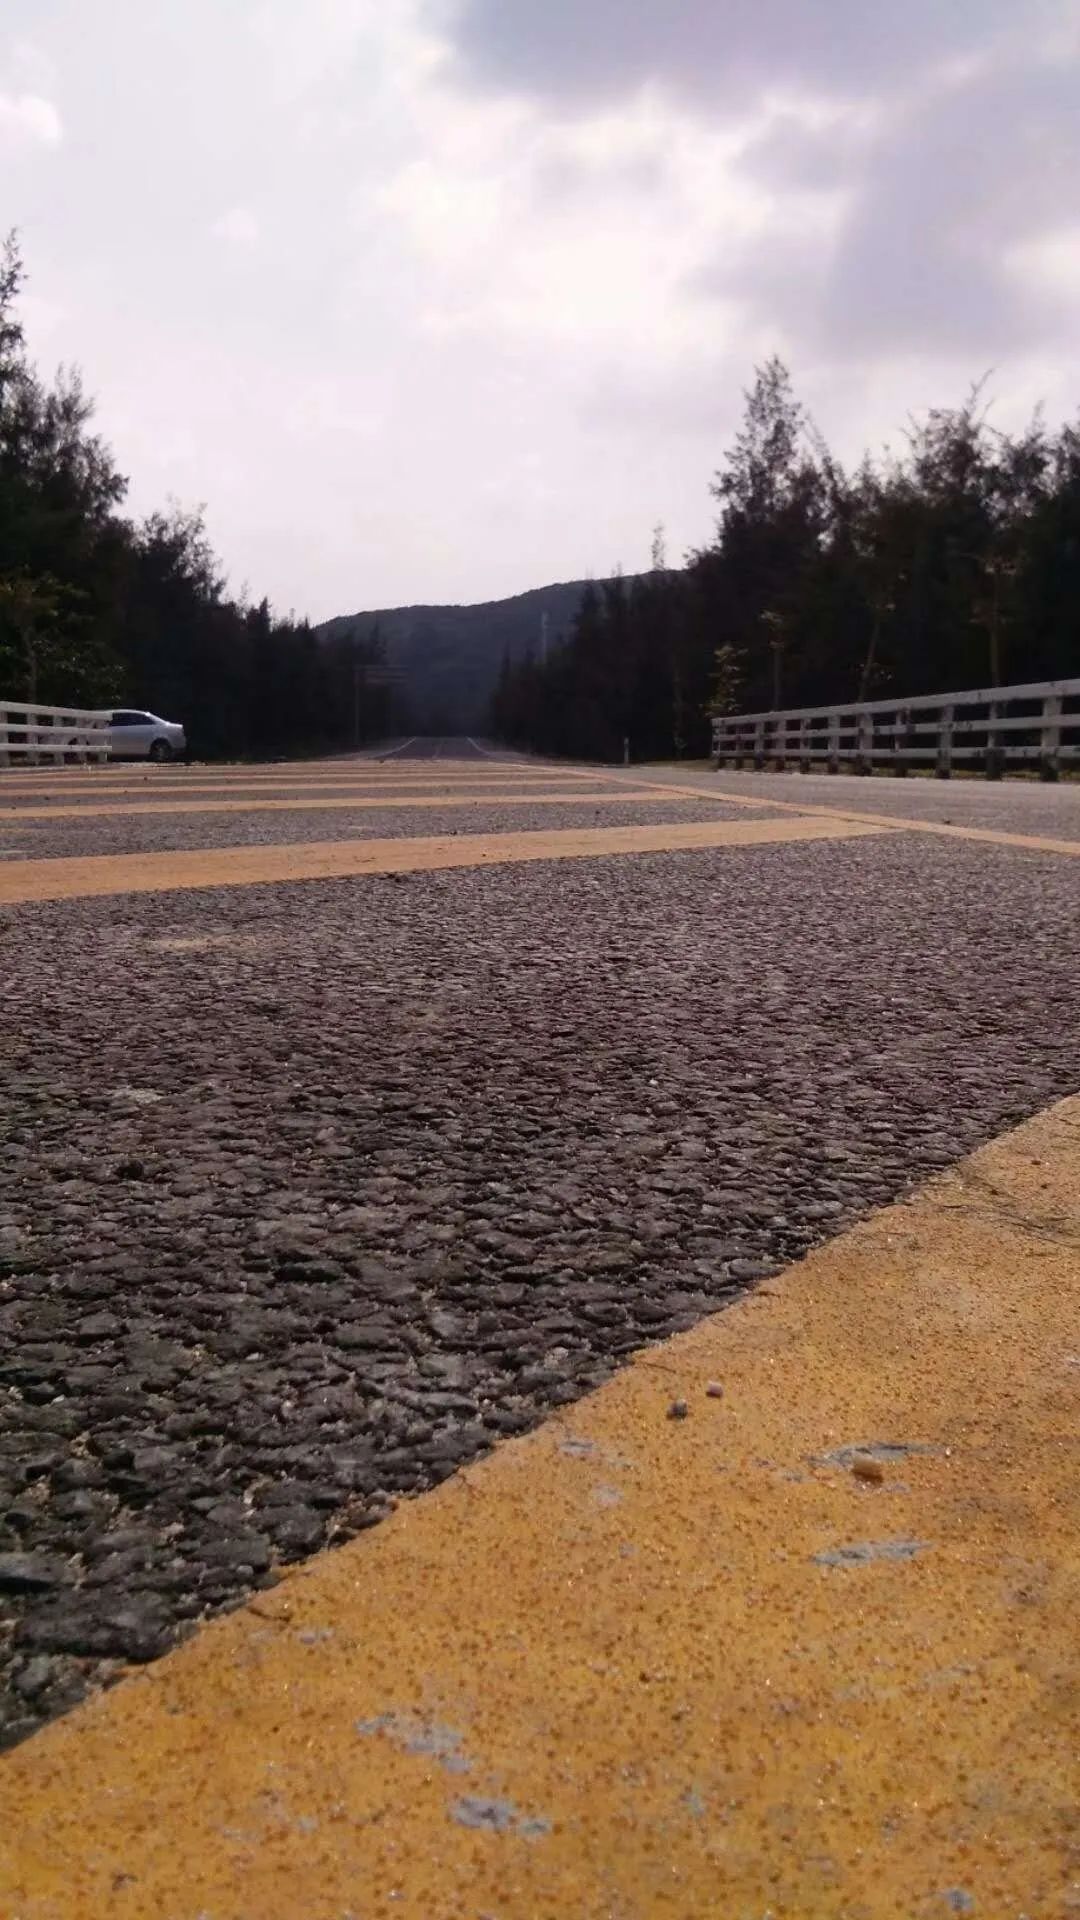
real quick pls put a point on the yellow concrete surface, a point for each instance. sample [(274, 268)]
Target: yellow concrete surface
[(24, 881), (325, 803), (808, 1652)]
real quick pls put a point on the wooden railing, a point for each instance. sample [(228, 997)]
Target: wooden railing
[(37, 735), (997, 727)]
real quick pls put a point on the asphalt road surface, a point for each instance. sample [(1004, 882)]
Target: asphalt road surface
[(438, 747), (312, 1189)]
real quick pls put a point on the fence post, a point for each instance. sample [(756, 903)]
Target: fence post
[(944, 744), (864, 744), (1050, 738), (903, 738), (994, 754), (833, 762), (759, 746), (804, 754)]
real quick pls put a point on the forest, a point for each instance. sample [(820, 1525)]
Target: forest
[(99, 609), (951, 564)]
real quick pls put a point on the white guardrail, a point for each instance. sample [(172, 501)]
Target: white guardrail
[(996, 725), (37, 735)]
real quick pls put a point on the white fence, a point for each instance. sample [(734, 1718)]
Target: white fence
[(998, 726), (36, 735)]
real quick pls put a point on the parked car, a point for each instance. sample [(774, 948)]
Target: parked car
[(143, 736)]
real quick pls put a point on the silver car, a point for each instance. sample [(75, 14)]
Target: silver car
[(143, 736)]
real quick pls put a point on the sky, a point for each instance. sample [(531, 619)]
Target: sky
[(437, 300)]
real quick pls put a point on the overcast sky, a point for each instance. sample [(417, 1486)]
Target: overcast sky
[(442, 299)]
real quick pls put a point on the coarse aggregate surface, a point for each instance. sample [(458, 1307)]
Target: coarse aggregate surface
[(312, 1192)]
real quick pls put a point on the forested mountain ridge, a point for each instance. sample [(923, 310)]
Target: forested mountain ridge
[(444, 661)]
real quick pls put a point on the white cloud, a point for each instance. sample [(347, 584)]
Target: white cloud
[(27, 119), (478, 299), (238, 225)]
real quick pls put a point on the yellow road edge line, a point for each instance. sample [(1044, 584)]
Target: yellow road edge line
[(96, 810), (93, 875), (633, 1664), (1033, 843)]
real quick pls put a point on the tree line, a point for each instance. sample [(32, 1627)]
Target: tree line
[(952, 564), (98, 609)]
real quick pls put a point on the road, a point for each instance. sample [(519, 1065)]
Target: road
[(362, 1114), (436, 747)]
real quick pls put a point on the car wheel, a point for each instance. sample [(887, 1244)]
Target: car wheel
[(161, 750)]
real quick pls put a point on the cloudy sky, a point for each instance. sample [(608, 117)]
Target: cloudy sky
[(441, 299)]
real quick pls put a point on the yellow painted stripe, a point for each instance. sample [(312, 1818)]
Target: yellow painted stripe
[(328, 803), (635, 1666), (990, 836), (68, 879), (145, 774), (159, 790), (220, 780)]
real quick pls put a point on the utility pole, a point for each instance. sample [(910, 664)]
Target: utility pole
[(543, 638)]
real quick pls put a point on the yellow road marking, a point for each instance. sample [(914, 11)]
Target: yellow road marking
[(151, 789), (98, 874), (453, 773), (413, 773), (288, 782), (992, 836), (634, 1666), (307, 803)]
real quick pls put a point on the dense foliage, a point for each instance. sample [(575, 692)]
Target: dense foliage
[(953, 565), (446, 658), (97, 609)]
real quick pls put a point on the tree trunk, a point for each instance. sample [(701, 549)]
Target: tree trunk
[(871, 660), (31, 665), (777, 674)]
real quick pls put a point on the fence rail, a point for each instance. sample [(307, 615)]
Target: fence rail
[(36, 735), (998, 726)]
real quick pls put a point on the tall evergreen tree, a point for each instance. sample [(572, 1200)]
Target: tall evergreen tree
[(97, 610), (954, 563)]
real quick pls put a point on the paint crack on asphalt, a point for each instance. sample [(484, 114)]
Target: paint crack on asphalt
[(498, 1816), (415, 1735), (861, 1552), (887, 1451)]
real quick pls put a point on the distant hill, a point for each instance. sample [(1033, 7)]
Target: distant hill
[(446, 660)]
